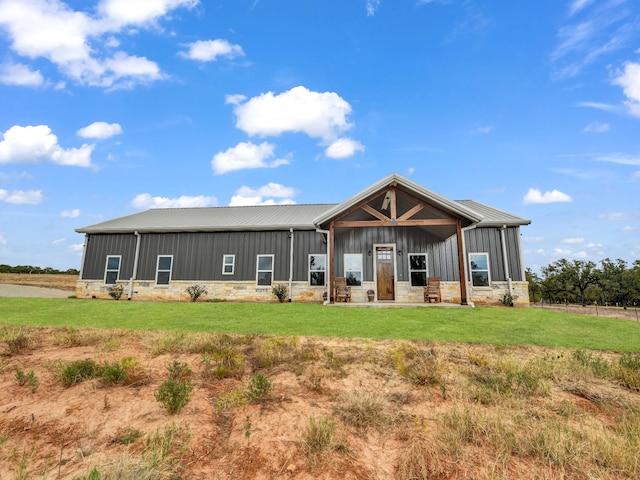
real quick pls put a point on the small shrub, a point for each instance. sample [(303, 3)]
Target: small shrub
[(115, 291), (196, 291), (113, 373), (78, 371), (280, 290), (318, 435), (175, 392), (178, 371), (259, 388), (224, 363), (507, 299), (29, 379)]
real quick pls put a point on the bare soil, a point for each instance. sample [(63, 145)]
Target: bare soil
[(438, 419)]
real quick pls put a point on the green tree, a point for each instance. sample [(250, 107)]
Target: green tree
[(570, 278)]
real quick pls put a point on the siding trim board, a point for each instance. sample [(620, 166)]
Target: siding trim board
[(393, 212)]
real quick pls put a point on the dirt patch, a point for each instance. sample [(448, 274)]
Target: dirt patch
[(57, 281), (394, 409)]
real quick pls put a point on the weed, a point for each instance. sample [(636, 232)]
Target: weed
[(73, 337), (78, 371), (420, 460), (169, 343), (93, 475), (16, 340), (280, 290), (258, 388), (196, 291), (363, 409), (224, 363), (112, 373), (247, 428), (29, 379), (233, 399), (597, 365), (175, 392), (127, 436), (421, 366), (318, 435)]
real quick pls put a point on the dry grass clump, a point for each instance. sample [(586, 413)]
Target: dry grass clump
[(419, 460), (17, 340), (363, 410)]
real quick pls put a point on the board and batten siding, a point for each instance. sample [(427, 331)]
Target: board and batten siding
[(488, 240), (442, 256), (197, 256)]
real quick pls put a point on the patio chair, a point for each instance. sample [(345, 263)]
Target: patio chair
[(432, 290), (343, 291)]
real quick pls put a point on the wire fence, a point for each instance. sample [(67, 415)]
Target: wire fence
[(630, 312)]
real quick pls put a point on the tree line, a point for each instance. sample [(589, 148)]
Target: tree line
[(611, 282), (39, 270)]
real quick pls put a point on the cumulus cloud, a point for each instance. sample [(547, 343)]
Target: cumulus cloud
[(629, 79), (20, 75), (343, 148), (210, 50), (75, 213), (21, 197), (596, 127), (146, 200), (269, 194), (246, 155), (552, 196), (319, 115), (573, 241), (100, 130), (77, 42), (31, 144)]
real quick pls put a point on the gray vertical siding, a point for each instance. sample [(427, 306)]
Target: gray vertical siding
[(100, 246), (489, 240)]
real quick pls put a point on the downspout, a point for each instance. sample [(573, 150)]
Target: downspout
[(290, 263), (134, 276), (327, 273), (464, 253), (505, 258)]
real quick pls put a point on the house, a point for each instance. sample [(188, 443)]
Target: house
[(388, 238)]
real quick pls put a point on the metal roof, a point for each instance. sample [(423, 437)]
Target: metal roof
[(210, 219), (298, 217)]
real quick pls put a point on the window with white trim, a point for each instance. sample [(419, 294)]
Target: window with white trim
[(112, 269), (418, 269), (228, 264), (264, 270), (353, 268), (317, 269), (479, 268), (163, 271)]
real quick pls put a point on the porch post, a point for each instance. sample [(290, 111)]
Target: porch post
[(461, 264), (332, 264)]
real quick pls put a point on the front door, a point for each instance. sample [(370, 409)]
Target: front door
[(384, 273)]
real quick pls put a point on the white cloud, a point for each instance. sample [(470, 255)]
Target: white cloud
[(264, 195), (76, 247), (615, 216), (75, 213), (553, 196), (210, 50), (31, 144), (372, 7), (410, 171), (76, 41), (573, 241), (21, 197), (599, 106), (343, 148), (629, 80), (245, 155), (482, 130), (596, 127), (20, 75), (145, 201), (3, 241), (100, 130), (319, 115), (619, 158), (58, 241), (629, 228), (533, 239), (577, 5), (13, 176)]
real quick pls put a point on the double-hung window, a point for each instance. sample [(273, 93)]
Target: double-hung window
[(163, 272), (418, 269), (112, 269), (317, 269), (264, 270), (353, 268), (479, 267), (228, 264)]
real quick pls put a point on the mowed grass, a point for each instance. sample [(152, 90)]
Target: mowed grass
[(493, 325)]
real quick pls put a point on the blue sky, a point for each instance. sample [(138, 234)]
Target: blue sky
[(110, 107)]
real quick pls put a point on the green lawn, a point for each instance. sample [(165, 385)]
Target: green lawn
[(495, 325)]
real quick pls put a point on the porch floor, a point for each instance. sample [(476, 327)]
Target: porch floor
[(398, 305)]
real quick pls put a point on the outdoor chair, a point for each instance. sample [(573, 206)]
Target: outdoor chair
[(343, 291), (432, 290)]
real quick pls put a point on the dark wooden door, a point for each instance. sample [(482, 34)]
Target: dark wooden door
[(384, 273)]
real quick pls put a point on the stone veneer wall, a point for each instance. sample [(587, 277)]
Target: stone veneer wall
[(301, 292)]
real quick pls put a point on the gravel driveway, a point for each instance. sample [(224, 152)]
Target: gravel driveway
[(7, 290)]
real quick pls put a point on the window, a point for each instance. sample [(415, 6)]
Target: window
[(353, 268), (317, 269), (163, 273), (418, 269), (264, 274), (228, 264), (112, 270), (479, 263)]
